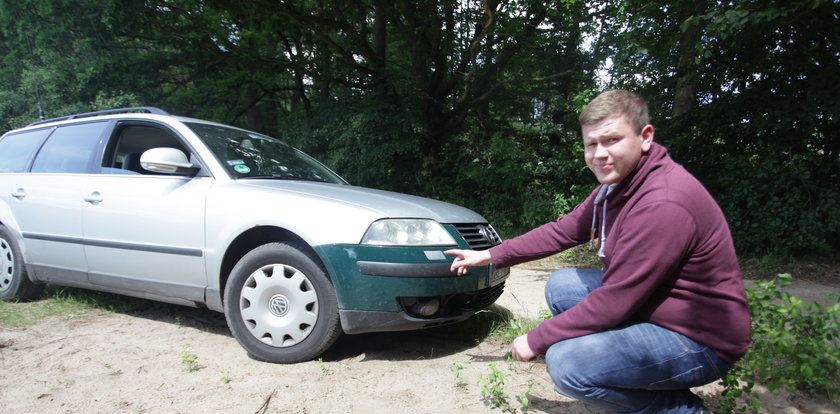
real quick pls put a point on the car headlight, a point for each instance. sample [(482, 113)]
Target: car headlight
[(407, 232)]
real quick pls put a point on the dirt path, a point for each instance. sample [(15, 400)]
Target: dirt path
[(140, 363)]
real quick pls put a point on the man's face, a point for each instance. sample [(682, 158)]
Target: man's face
[(612, 148)]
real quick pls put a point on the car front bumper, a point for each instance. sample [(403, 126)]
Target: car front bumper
[(383, 288)]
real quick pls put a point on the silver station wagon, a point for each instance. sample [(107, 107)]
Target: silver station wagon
[(139, 202)]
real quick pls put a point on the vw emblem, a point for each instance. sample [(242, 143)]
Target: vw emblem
[(278, 305), (489, 234)]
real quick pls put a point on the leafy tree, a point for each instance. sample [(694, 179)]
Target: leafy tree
[(744, 97), (65, 57), (470, 101)]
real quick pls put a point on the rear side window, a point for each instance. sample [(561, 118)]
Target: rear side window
[(15, 149), (69, 149)]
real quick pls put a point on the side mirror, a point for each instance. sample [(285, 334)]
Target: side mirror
[(167, 160)]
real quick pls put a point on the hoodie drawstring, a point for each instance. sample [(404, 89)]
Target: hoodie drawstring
[(602, 236)]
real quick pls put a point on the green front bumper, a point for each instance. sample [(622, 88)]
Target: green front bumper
[(370, 279)]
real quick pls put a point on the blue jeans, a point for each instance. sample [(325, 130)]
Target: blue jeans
[(634, 368)]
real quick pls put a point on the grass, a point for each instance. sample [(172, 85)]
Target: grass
[(189, 360), (58, 302), (509, 327)]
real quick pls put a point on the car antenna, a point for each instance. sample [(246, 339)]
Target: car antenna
[(38, 96), (37, 84)]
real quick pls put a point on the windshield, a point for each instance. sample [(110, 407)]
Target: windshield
[(249, 155)]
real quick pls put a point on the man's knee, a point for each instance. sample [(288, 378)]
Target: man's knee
[(567, 363), (567, 287)]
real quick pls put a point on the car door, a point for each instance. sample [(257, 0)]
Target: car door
[(144, 232), (47, 202)]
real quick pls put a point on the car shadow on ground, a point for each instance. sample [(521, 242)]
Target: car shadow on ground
[(428, 343), (431, 343)]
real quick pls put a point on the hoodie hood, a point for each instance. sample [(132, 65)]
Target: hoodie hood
[(656, 158), (618, 193)]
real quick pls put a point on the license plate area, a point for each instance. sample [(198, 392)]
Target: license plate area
[(497, 276)]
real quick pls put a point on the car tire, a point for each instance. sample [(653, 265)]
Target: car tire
[(280, 305), (14, 281)]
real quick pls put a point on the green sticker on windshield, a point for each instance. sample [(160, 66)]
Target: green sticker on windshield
[(242, 169)]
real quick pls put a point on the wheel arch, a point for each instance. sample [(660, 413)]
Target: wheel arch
[(27, 288), (11, 225), (258, 236)]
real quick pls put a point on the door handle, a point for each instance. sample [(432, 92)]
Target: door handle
[(19, 194), (94, 198)]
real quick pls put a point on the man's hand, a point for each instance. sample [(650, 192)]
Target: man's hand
[(467, 259), (520, 350)]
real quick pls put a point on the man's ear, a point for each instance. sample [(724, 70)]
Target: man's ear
[(647, 137)]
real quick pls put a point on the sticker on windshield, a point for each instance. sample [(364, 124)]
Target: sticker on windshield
[(242, 169)]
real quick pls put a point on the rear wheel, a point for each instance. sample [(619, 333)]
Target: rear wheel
[(14, 282), (280, 305)]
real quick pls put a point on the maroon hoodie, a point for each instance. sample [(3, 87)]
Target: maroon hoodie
[(668, 259)]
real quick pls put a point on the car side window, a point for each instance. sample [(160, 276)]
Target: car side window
[(129, 144), (69, 149), (15, 149)]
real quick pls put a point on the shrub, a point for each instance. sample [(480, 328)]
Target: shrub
[(795, 347)]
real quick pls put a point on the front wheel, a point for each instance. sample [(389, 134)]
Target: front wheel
[(14, 282), (280, 305)]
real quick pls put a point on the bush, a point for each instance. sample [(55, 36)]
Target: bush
[(795, 347), (778, 206)]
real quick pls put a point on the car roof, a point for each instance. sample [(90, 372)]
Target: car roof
[(139, 112), (149, 109)]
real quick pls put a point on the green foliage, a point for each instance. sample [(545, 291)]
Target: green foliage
[(795, 347), (61, 57), (105, 100), (436, 100), (508, 328), (471, 102), (457, 368), (112, 371), (775, 206), (189, 360), (762, 128), (374, 144), (512, 328), (66, 303), (492, 389), (524, 401), (323, 366), (518, 178)]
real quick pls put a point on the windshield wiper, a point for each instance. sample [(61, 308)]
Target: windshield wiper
[(272, 177)]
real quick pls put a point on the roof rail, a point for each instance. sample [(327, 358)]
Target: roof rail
[(149, 109)]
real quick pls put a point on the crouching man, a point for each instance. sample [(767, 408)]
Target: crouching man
[(669, 311)]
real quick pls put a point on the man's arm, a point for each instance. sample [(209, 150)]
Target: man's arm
[(645, 252), (551, 238), (467, 259)]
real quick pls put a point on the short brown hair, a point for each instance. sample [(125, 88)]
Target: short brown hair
[(615, 102)]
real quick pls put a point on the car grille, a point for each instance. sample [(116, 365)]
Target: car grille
[(479, 236), (485, 297), (459, 303)]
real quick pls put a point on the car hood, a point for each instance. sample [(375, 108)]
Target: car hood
[(380, 202)]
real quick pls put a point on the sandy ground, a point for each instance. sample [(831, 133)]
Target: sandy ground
[(140, 363)]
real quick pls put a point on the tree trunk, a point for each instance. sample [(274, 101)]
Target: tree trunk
[(685, 92)]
